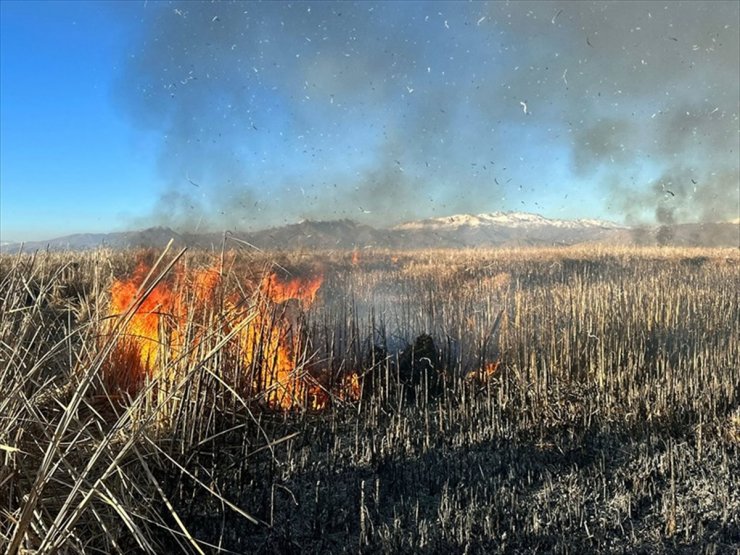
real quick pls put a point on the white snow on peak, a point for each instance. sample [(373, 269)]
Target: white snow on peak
[(503, 219)]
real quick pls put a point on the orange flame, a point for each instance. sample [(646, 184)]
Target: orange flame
[(279, 291), (483, 375), (137, 350), (271, 348), (351, 388), (157, 323), (273, 342)]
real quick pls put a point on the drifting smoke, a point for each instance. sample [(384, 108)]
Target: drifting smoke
[(272, 112)]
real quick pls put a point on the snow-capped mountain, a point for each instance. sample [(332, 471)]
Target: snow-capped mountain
[(504, 219), (508, 229)]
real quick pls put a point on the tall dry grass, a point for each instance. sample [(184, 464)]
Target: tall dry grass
[(610, 423), (81, 459)]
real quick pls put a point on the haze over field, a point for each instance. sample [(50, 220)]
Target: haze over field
[(208, 116), (497, 229)]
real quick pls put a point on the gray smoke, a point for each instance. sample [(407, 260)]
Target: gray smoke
[(270, 112)]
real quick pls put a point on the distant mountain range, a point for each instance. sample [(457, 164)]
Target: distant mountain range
[(503, 229)]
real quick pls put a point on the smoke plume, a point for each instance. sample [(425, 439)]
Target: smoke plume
[(271, 112)]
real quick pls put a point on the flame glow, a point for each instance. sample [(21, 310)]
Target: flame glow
[(137, 351), (481, 376), (271, 351), (279, 291), (272, 344)]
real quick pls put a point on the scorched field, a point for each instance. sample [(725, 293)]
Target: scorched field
[(504, 401)]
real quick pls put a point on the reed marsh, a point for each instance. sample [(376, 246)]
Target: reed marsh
[(500, 401)]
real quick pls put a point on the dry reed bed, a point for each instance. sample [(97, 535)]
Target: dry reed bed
[(611, 424)]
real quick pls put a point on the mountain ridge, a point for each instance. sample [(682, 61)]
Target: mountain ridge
[(492, 229)]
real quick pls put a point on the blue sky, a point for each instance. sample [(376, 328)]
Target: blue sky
[(236, 115), (70, 161)]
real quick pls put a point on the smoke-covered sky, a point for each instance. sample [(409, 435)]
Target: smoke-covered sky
[(258, 114)]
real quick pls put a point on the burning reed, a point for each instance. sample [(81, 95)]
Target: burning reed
[(267, 358)]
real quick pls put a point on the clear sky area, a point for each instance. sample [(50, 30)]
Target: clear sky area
[(238, 115)]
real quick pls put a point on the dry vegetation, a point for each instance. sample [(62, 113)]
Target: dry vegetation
[(573, 400)]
